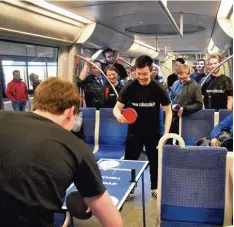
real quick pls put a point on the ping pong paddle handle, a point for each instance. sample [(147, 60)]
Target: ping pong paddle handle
[(133, 176)]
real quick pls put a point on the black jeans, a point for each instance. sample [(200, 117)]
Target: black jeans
[(174, 128), (133, 149)]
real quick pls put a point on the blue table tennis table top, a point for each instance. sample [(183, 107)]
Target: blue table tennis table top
[(117, 180)]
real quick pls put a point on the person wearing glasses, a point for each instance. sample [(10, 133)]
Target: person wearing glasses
[(185, 96)]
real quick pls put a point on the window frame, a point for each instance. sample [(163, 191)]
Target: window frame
[(26, 59)]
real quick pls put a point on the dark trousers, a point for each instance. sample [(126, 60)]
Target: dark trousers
[(174, 128), (133, 149)]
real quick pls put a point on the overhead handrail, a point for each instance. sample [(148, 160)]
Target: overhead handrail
[(210, 73), (125, 62), (96, 54), (171, 19), (100, 70), (166, 67)]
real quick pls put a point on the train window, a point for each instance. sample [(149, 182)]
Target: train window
[(13, 63), (28, 59), (52, 68)]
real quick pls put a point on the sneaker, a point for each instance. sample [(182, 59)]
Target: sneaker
[(154, 193), (131, 196)]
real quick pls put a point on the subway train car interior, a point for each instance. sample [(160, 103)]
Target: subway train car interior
[(116, 113)]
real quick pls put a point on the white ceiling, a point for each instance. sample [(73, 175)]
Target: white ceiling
[(120, 15)]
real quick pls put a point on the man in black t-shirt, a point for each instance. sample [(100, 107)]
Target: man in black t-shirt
[(217, 90), (145, 95), (111, 60), (40, 158), (173, 77)]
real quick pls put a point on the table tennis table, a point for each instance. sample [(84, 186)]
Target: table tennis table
[(119, 180)]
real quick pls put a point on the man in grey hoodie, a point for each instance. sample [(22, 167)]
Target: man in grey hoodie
[(186, 97)]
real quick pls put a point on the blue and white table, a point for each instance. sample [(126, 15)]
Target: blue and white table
[(118, 178)]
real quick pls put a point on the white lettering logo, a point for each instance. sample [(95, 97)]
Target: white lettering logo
[(215, 91), (110, 183), (144, 104), (111, 178)]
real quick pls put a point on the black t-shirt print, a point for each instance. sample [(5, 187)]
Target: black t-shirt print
[(146, 101), (38, 162), (216, 91)]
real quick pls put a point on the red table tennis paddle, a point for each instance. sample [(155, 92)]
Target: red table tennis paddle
[(130, 115)]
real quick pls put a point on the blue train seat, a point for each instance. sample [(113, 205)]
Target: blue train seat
[(161, 120), (196, 126), (193, 186), (59, 219), (224, 113), (112, 136), (89, 119)]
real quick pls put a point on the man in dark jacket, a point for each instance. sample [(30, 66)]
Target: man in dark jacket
[(185, 94), (92, 84)]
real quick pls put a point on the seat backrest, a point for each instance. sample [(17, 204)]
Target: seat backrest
[(196, 126), (223, 114), (193, 185), (110, 131), (89, 119)]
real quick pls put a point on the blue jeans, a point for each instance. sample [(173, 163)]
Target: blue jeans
[(19, 106)]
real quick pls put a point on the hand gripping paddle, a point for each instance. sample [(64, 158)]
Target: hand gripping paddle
[(77, 207), (130, 115)]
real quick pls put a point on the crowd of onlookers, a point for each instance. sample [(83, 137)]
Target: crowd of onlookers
[(216, 92), (40, 157), (184, 88)]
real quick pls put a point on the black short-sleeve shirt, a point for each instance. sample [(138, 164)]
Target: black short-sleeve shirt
[(216, 90), (38, 162), (146, 101)]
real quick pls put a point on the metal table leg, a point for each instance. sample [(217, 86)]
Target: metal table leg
[(143, 199), (67, 220), (71, 222)]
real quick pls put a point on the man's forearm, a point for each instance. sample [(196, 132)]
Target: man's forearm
[(101, 206), (116, 111), (84, 73), (229, 102), (168, 120)]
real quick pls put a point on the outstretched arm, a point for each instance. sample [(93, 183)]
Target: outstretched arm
[(117, 113), (168, 118), (104, 209)]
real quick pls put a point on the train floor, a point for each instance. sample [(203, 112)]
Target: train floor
[(132, 210)]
